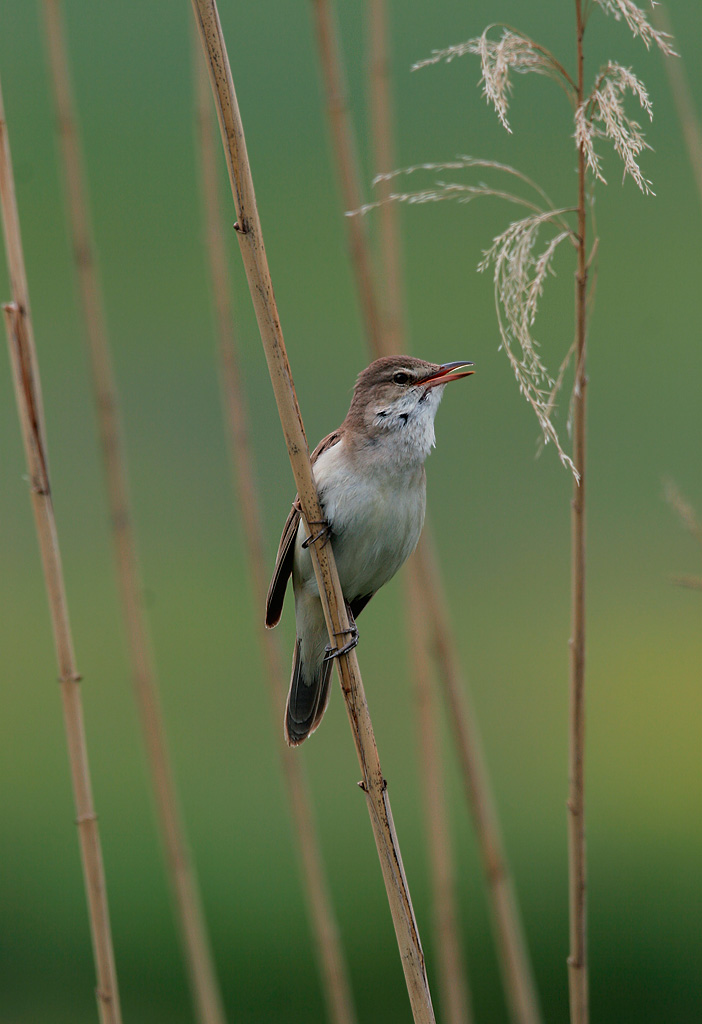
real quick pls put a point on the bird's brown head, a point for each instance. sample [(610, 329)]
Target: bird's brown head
[(399, 396)]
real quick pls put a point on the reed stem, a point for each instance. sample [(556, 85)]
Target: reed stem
[(346, 158), (682, 97), (20, 337), (183, 883), (454, 995), (329, 952), (577, 960), (512, 955), (260, 285), (453, 979), (382, 122)]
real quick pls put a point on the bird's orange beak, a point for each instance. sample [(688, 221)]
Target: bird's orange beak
[(445, 373)]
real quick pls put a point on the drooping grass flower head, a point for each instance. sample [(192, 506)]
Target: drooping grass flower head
[(521, 257)]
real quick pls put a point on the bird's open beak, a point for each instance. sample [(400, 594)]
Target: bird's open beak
[(445, 373)]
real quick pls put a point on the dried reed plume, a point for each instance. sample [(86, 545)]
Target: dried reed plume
[(520, 269), (253, 253), (25, 369), (330, 955), (183, 883)]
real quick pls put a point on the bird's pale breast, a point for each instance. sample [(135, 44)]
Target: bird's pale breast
[(376, 518)]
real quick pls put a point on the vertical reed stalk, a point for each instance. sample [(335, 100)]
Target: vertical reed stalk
[(424, 576), (453, 988), (577, 960), (512, 953), (27, 386), (453, 980), (344, 149), (383, 137), (330, 956), (260, 285), (183, 883)]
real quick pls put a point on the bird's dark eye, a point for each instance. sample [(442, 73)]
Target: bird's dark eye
[(400, 377)]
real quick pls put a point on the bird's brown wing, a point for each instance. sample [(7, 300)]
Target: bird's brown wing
[(283, 568), (286, 548)]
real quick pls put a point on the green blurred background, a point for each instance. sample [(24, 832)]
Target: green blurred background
[(501, 516)]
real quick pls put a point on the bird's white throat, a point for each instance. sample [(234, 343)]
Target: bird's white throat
[(403, 433)]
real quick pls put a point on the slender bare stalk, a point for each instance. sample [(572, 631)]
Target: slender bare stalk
[(453, 980), (187, 903), (511, 947), (682, 97), (345, 155), (383, 137), (455, 999), (255, 263), (20, 338), (577, 960), (424, 578), (518, 280), (330, 956)]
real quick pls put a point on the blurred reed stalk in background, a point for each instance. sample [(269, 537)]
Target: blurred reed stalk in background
[(344, 146), (519, 276), (425, 587), (183, 883), (455, 999), (454, 991), (689, 519), (329, 952), (692, 133), (27, 385), (682, 97), (253, 254), (382, 131)]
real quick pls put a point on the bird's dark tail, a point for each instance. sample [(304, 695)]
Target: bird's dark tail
[(308, 697)]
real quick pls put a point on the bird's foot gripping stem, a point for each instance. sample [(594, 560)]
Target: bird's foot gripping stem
[(323, 533), (335, 652), (352, 632)]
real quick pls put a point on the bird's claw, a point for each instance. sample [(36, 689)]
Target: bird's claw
[(335, 652), (324, 527), (323, 532)]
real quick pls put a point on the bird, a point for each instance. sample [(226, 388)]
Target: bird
[(371, 483)]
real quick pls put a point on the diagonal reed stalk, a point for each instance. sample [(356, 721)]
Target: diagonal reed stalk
[(330, 956), (260, 285), (509, 937), (682, 97), (183, 883), (454, 996), (424, 577), (20, 337), (577, 864)]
